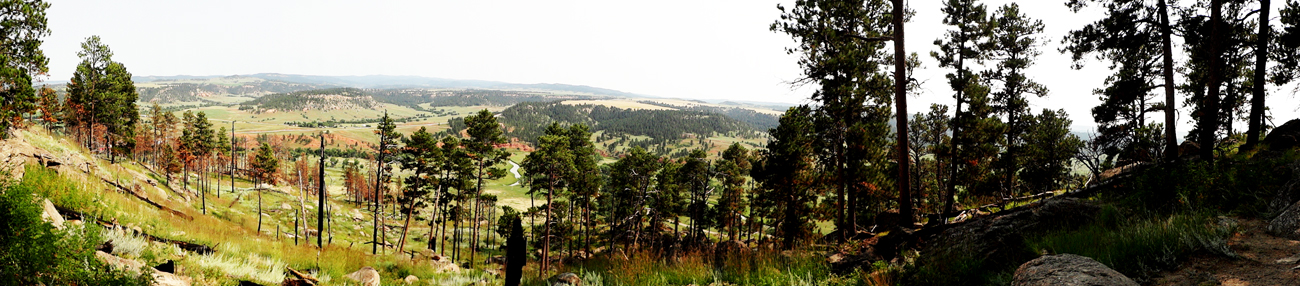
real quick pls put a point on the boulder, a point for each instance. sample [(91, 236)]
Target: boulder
[(1189, 148), (565, 279), (411, 279), (367, 276), (168, 279), (119, 263), (1284, 137), (1067, 270), (1287, 224), (51, 214), (1289, 193), (443, 265)]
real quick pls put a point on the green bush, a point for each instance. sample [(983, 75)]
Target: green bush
[(33, 252)]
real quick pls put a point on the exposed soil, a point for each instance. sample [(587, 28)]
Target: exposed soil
[(1257, 265)]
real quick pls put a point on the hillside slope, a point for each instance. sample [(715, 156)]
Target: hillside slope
[(217, 234)]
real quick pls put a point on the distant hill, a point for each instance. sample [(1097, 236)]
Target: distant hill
[(321, 99), (174, 89), (391, 82)]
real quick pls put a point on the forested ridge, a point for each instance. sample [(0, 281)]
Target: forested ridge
[(179, 91), (528, 121), (318, 99)]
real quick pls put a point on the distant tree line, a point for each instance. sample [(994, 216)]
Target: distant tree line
[(528, 120), (759, 120)]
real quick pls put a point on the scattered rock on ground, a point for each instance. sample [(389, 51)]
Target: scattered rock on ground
[(1067, 270), (566, 279), (368, 276), (411, 279)]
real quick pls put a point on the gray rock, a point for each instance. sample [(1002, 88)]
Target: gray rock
[(999, 237), (1287, 224), (1284, 137), (565, 279), (368, 276), (1068, 270), (51, 214)]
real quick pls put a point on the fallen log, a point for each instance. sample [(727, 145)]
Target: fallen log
[(124, 189), (188, 246)]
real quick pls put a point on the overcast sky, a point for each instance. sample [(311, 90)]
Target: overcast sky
[(670, 48)]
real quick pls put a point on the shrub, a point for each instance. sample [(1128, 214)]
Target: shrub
[(34, 252)]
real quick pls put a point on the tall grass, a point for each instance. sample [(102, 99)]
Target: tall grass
[(1142, 248), (704, 268)]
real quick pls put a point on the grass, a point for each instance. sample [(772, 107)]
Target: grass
[(1139, 249), (703, 268), (230, 228)]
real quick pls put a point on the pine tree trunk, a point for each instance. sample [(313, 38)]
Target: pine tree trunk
[(1209, 122), (1171, 124), (1256, 123)]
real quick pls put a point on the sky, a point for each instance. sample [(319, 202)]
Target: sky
[(669, 48)]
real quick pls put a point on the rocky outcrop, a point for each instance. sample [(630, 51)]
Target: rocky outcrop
[(1284, 137), (1287, 222), (999, 237), (367, 276), (1068, 270)]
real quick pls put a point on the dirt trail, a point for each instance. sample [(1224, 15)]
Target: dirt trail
[(1257, 265)]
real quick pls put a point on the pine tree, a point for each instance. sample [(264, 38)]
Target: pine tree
[(960, 49), (265, 166), (1014, 45), (388, 138), (733, 169), (24, 26), (1049, 146), (484, 133), (102, 94), (787, 174), (547, 167), (422, 157), (1135, 37), (585, 180), (840, 44)]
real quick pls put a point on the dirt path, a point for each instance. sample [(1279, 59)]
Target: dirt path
[(1257, 266)]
